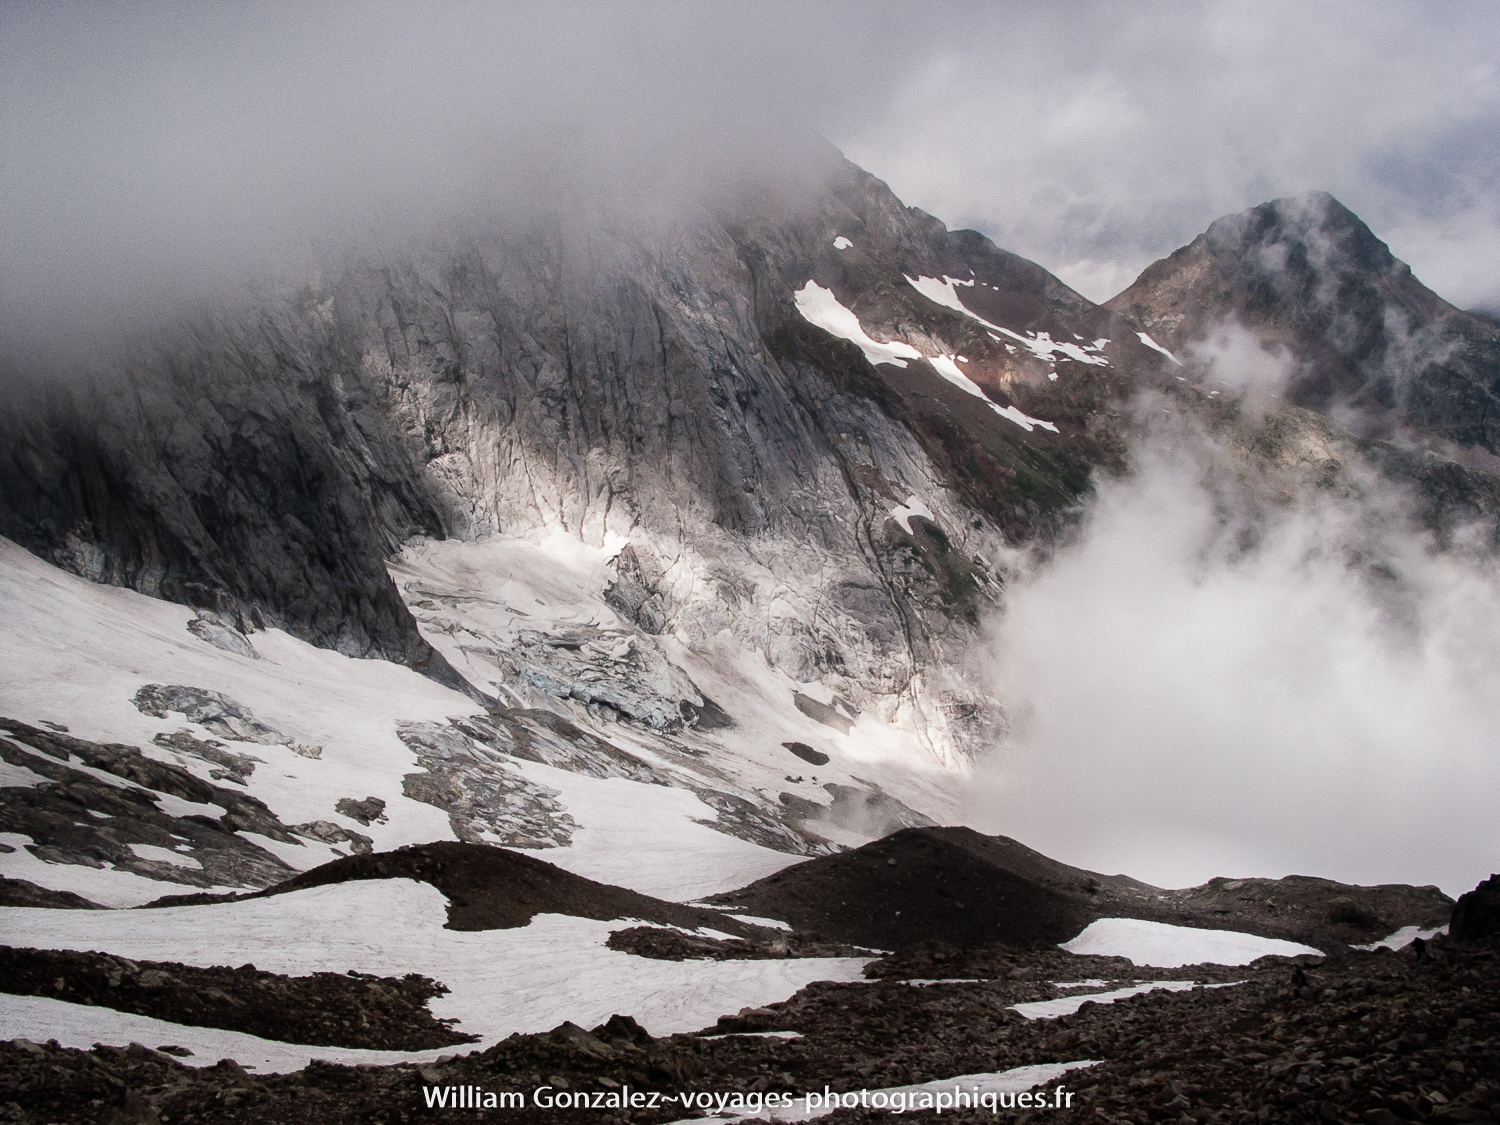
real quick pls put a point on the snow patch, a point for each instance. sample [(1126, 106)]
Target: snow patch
[(164, 855), (1025, 421), (1040, 344), (1150, 343), (913, 507), (820, 307), (1402, 938), (1067, 1005), (841, 243), (1156, 943)]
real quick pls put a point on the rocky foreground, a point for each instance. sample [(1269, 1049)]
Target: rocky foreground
[(1371, 1037), (1358, 1035)]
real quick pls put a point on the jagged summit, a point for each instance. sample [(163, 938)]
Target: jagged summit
[(1306, 275)]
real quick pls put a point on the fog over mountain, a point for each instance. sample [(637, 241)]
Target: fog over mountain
[(152, 153)]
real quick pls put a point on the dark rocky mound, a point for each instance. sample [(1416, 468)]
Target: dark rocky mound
[(674, 945), (321, 1010), (1476, 916), (491, 888), (957, 886), (924, 883), (23, 892)]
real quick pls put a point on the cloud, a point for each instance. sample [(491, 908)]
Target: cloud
[(157, 154), (1211, 681), (1096, 138)]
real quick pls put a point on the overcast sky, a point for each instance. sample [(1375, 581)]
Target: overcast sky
[(157, 148)]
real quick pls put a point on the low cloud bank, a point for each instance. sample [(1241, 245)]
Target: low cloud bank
[(1207, 681)]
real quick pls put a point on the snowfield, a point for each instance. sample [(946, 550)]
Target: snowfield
[(519, 980), (1169, 947)]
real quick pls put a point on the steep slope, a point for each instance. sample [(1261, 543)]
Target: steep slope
[(667, 387), (1364, 337)]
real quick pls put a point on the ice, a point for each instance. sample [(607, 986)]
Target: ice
[(820, 307), (76, 652), (1007, 1082), (518, 980), (1403, 937), (1164, 946), (1067, 1005), (841, 243), (913, 507), (637, 836), (1150, 343)]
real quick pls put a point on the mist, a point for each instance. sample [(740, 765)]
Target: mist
[(1212, 679), (162, 157), (1097, 138)]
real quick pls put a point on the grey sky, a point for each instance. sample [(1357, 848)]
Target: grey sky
[(1096, 138), (151, 152)]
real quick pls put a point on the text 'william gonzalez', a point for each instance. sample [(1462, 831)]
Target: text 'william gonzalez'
[(926, 1098)]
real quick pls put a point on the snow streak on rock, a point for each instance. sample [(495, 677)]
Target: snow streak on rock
[(819, 306)]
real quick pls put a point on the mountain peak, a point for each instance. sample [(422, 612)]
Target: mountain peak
[(1311, 281)]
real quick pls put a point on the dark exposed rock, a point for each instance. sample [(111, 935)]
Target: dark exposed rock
[(366, 812), (822, 712), (211, 627), (209, 710), (633, 594), (79, 818), (674, 945), (232, 767), (957, 886), (1476, 915), (327, 832), (737, 816), (483, 796), (807, 753), (323, 1009), (23, 892)]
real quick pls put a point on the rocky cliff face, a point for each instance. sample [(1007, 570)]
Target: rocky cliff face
[(1364, 337), (666, 389), (815, 422)]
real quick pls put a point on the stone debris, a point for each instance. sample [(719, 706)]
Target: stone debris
[(78, 817)]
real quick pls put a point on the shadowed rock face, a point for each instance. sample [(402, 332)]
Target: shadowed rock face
[(1307, 275), (1476, 915), (606, 379)]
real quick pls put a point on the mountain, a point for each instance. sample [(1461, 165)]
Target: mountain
[(1364, 338), (562, 624), (671, 389)]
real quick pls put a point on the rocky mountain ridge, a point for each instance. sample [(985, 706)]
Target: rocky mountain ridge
[(1363, 338)]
